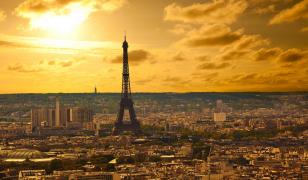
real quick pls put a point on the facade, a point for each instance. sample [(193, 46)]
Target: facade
[(57, 112), (60, 117), (81, 115), (8, 130), (219, 106), (220, 116)]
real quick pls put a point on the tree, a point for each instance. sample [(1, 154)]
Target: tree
[(55, 164)]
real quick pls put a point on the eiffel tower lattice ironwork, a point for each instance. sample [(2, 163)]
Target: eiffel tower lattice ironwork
[(126, 101)]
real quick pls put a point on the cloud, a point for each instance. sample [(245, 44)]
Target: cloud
[(14, 44), (135, 57), (22, 68), (66, 63), (242, 48), (266, 6), (292, 55), (298, 11), (264, 10), (244, 78), (206, 77), (175, 81), (216, 11), (51, 62), (180, 29), (66, 12), (265, 80), (2, 15), (8, 44), (213, 35), (211, 66), (222, 39), (234, 54), (179, 57), (145, 80), (267, 54), (203, 58), (288, 56)]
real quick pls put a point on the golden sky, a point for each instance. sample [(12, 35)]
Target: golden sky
[(175, 46)]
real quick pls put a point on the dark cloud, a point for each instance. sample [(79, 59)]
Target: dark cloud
[(298, 11), (135, 57), (292, 55), (203, 58), (235, 54), (245, 78), (267, 54), (5, 43), (66, 63), (32, 7), (213, 35), (250, 42), (179, 57), (218, 11), (51, 63), (22, 68), (145, 80), (223, 39), (243, 48), (205, 76), (285, 74), (175, 81), (280, 79), (211, 66)]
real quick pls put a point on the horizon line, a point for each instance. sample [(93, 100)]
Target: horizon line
[(170, 92)]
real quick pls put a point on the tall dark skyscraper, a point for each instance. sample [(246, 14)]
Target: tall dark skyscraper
[(126, 103)]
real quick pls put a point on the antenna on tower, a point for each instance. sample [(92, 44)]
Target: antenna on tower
[(125, 35)]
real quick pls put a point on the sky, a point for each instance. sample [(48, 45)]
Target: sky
[(51, 46)]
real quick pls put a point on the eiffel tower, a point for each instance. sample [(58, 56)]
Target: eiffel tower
[(126, 101)]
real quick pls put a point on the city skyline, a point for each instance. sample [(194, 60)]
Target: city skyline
[(177, 46)]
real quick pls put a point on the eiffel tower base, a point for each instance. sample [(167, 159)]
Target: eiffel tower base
[(119, 128)]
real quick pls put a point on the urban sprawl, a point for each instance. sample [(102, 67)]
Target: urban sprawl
[(184, 136)]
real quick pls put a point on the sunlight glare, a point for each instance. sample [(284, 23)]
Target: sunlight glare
[(62, 23)]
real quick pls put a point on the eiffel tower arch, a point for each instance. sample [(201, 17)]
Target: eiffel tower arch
[(126, 102)]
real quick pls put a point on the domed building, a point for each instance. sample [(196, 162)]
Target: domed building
[(22, 154)]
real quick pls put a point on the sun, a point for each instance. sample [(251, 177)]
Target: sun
[(62, 23)]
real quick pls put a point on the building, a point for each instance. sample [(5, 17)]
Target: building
[(31, 174), (80, 115), (47, 117), (8, 130), (60, 117), (220, 116), (95, 175), (95, 90), (219, 106), (57, 112)]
